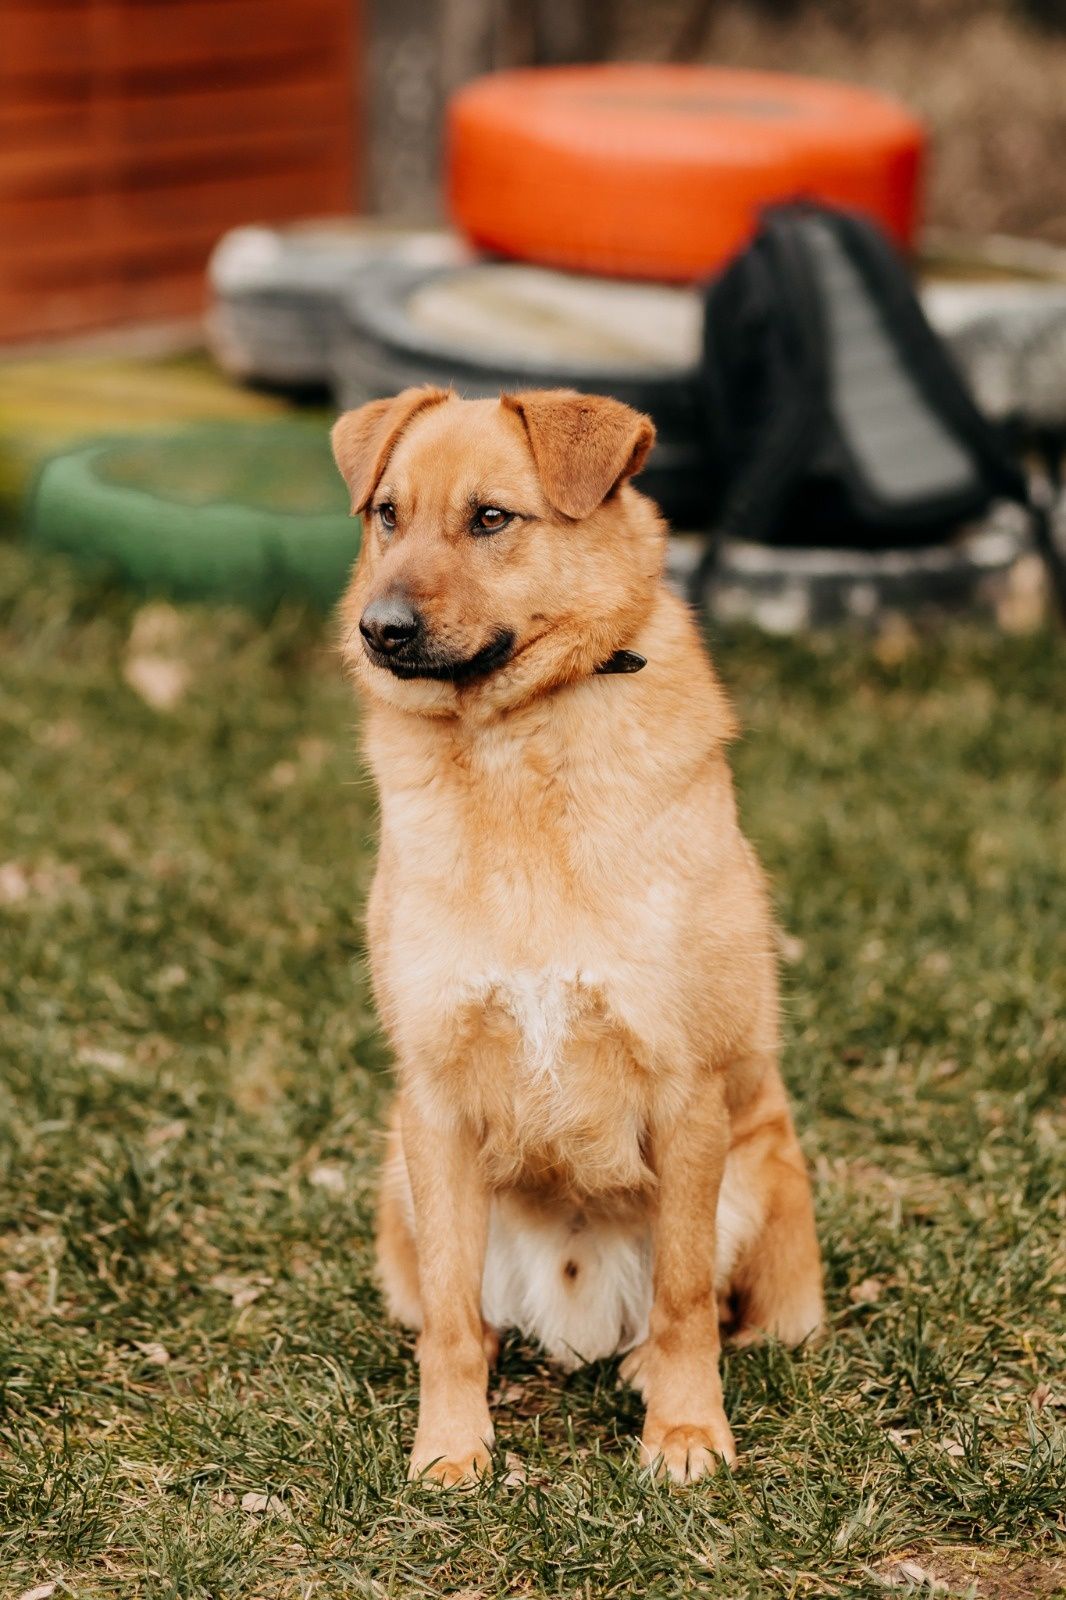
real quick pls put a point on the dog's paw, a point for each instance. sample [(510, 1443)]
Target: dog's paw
[(686, 1453), (446, 1467), (805, 1331), (747, 1338)]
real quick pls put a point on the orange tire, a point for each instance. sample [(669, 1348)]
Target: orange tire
[(659, 171)]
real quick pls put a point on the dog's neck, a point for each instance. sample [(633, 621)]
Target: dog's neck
[(625, 747), (576, 704)]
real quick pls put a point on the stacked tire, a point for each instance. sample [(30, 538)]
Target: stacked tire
[(661, 172), (627, 178), (253, 515), (275, 293), (605, 196), (602, 197), (1009, 339), (498, 328)]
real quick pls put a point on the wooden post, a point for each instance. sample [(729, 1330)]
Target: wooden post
[(418, 54)]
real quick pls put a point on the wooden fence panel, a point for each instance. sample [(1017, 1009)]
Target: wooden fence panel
[(134, 132)]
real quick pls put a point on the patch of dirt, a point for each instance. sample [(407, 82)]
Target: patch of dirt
[(959, 1570)]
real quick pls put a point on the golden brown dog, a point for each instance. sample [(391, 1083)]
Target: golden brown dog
[(571, 946)]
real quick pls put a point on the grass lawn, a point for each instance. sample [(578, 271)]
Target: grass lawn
[(198, 1395)]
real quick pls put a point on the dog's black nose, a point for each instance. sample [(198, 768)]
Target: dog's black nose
[(389, 623)]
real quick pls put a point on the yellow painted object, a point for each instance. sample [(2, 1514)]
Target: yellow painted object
[(50, 404)]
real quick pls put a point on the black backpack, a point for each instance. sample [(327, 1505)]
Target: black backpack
[(836, 416)]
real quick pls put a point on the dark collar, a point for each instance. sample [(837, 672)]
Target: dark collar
[(623, 661)]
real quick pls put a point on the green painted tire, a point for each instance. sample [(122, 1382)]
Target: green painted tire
[(252, 515)]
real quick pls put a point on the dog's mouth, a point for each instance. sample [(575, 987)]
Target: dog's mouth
[(422, 661)]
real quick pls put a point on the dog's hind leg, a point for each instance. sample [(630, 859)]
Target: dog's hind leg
[(396, 1254), (776, 1273)]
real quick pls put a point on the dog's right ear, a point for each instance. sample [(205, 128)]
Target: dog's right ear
[(584, 445), (364, 439)]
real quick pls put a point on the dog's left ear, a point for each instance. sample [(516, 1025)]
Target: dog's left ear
[(363, 439), (584, 445)]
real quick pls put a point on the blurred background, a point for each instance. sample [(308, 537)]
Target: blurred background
[(236, 211), (134, 132), (960, 64)]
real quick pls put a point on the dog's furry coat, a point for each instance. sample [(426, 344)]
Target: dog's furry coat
[(570, 939)]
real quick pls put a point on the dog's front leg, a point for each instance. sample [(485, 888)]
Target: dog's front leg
[(685, 1426), (451, 1206)]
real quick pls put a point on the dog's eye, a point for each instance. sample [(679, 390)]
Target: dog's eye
[(387, 515), (491, 519)]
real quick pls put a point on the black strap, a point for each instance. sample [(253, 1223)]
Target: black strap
[(1040, 517)]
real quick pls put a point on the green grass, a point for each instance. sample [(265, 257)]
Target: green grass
[(191, 1088)]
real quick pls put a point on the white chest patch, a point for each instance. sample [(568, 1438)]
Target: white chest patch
[(544, 1004)]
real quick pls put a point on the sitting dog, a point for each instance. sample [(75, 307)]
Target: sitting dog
[(571, 946)]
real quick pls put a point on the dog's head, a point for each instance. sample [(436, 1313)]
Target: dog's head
[(502, 553)]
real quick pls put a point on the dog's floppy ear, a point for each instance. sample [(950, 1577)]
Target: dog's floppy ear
[(584, 445), (364, 439)]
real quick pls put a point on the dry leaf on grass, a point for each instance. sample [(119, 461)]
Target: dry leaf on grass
[(160, 682), (14, 883), (156, 1355), (42, 1592), (283, 774), (165, 1133), (263, 1504), (327, 1176), (171, 978), (241, 1291), (46, 882), (158, 626), (1041, 1397), (866, 1292), (909, 1575), (109, 1060)]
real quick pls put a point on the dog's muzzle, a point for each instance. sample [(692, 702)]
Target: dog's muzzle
[(395, 637)]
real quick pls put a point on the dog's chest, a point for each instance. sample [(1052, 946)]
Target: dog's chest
[(533, 972), (554, 1082)]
